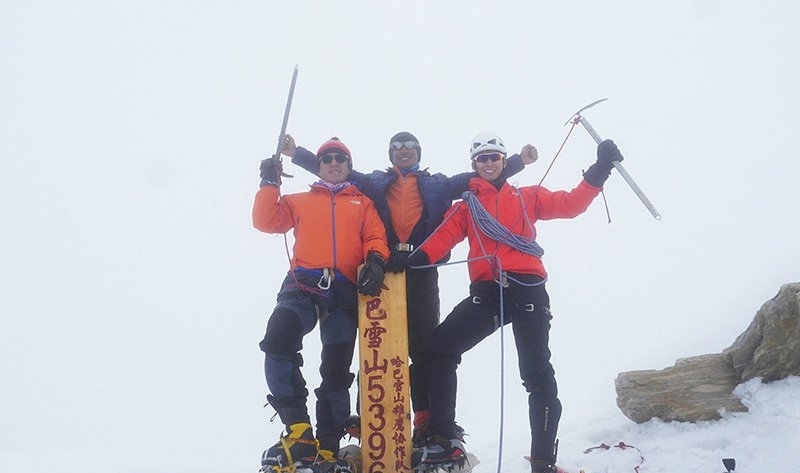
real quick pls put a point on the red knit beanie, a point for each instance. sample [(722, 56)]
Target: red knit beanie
[(333, 145)]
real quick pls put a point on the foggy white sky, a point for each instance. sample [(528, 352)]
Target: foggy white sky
[(135, 291)]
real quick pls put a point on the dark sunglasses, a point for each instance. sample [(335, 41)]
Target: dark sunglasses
[(328, 158), (410, 144), (482, 158)]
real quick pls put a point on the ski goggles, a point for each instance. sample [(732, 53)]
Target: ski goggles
[(397, 145), (484, 157), (329, 157)]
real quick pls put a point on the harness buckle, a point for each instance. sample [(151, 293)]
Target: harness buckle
[(476, 300), (529, 308), (404, 247)]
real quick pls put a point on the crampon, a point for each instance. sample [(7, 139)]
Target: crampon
[(449, 466), (463, 465), (309, 467)]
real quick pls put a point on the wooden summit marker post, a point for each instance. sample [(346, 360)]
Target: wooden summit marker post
[(384, 379)]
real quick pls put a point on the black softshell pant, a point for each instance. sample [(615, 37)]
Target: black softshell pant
[(527, 309), (422, 307)]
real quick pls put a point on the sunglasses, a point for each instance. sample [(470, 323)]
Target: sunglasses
[(328, 158), (482, 158), (410, 144)]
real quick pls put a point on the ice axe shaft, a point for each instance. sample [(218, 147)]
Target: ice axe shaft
[(622, 171), (286, 118)]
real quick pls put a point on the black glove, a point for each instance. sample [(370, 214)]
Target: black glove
[(397, 261), (418, 258), (607, 153), (271, 169), (370, 279)]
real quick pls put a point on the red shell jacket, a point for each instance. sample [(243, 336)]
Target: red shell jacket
[(507, 206), (330, 230)]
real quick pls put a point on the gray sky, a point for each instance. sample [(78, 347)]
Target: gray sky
[(135, 291)]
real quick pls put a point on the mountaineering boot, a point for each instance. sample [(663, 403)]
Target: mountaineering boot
[(421, 433), (439, 451), (353, 428), (421, 428), (297, 446), (327, 462), (542, 466)]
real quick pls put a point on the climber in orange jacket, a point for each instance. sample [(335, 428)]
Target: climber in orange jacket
[(336, 229)]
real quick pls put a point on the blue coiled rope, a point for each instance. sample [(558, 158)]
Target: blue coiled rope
[(495, 230)]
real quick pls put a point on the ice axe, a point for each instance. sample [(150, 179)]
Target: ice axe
[(281, 137), (578, 118)]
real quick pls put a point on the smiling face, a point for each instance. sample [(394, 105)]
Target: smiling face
[(404, 151), (334, 168), (489, 166), (405, 158)]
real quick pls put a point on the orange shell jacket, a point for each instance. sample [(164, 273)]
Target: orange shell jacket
[(505, 205), (330, 230), (405, 203)]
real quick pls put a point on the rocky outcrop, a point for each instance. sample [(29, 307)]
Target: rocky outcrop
[(696, 388), (770, 347), (701, 387)]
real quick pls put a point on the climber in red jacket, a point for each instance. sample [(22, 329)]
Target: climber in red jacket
[(507, 286)]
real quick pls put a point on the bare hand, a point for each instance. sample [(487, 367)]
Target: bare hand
[(529, 154), (289, 146)]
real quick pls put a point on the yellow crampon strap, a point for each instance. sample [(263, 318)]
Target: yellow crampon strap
[(291, 468), (286, 443), (328, 456), (284, 469)]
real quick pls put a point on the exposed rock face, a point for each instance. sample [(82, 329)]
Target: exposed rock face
[(770, 347), (695, 389), (700, 388)]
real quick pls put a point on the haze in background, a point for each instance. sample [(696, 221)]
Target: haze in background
[(135, 290)]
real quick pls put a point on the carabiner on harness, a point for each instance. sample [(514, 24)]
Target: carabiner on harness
[(326, 279), (503, 279)]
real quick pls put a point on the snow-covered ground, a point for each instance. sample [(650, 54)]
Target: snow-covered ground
[(762, 439)]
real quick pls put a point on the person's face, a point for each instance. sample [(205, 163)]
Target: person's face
[(334, 168), (489, 165), (405, 154)]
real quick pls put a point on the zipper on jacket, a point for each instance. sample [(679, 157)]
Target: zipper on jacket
[(333, 227)]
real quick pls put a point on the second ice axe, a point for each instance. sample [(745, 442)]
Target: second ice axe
[(578, 118)]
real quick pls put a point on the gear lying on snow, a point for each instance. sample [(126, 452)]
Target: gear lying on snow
[(543, 467)]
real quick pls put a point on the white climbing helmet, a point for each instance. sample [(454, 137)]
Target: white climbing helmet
[(486, 142)]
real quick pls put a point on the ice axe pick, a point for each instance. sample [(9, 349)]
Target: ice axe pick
[(578, 118)]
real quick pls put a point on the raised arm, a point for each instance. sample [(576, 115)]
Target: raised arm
[(514, 164), (271, 213)]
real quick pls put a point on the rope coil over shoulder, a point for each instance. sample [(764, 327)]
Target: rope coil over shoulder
[(495, 230)]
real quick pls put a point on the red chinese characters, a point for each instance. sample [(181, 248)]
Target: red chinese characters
[(385, 384)]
